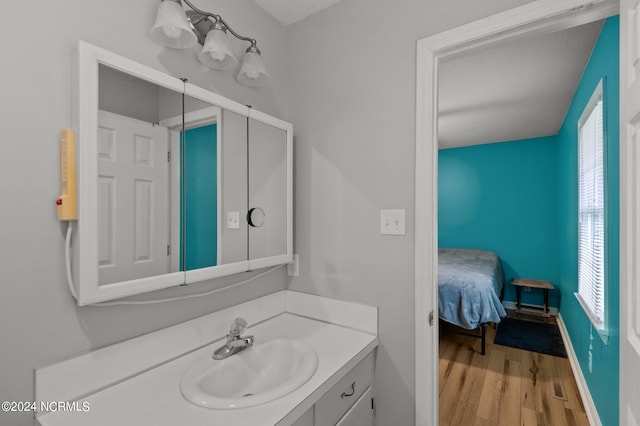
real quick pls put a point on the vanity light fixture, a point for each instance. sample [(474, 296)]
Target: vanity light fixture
[(183, 29)]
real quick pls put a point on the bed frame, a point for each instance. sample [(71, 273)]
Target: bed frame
[(483, 325), (483, 334), (483, 329)]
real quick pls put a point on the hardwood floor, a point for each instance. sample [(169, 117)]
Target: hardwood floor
[(507, 386)]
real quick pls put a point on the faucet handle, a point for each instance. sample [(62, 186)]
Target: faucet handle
[(238, 326)]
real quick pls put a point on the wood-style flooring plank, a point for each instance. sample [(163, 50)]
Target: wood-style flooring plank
[(507, 386), (553, 408), (456, 381), (509, 411), (464, 413), (576, 418), (513, 354), (531, 417), (492, 387), (531, 396), (483, 422), (563, 371), (475, 377), (448, 353)]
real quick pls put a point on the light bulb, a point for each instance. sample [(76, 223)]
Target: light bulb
[(217, 56), (172, 32), (252, 74)]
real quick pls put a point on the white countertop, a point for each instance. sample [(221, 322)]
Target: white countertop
[(153, 397)]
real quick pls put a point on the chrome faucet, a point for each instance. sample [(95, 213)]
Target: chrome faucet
[(235, 341)]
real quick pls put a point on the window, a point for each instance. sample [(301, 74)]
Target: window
[(591, 212)]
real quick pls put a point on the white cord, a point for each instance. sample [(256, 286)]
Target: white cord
[(187, 296), (67, 252), (145, 302)]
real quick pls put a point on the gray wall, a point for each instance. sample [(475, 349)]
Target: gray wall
[(39, 321), (351, 99)]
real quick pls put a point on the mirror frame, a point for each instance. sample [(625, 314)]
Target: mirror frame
[(287, 257), (85, 122)]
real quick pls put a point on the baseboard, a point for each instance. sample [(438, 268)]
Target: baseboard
[(587, 401), (537, 309)]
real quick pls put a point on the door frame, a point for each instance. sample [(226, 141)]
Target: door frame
[(199, 118), (538, 17)]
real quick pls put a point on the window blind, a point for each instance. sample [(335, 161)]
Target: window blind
[(591, 236)]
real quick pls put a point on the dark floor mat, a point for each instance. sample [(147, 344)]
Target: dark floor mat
[(532, 336)]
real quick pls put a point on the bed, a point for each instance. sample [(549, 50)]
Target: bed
[(469, 282)]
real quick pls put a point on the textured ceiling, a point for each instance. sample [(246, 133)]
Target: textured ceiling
[(513, 90), (290, 11)]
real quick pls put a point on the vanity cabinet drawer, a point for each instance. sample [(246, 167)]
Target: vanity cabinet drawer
[(360, 413), (332, 406)]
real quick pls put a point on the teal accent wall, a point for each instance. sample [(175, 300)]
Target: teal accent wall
[(502, 197), (603, 377), (200, 238)]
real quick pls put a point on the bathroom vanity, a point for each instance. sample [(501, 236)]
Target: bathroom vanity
[(139, 381), (348, 402)]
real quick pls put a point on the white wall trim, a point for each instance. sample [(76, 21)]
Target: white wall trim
[(539, 17), (583, 388)]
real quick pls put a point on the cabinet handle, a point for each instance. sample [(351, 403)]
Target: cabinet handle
[(353, 389)]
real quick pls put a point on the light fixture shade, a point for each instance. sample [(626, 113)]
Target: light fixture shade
[(171, 28), (216, 52), (252, 72)]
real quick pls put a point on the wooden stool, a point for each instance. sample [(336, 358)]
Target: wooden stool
[(544, 285)]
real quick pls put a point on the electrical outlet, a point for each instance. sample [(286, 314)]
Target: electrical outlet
[(233, 220), (392, 222), (293, 268)]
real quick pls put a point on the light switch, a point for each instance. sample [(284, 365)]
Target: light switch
[(392, 222), (233, 220)]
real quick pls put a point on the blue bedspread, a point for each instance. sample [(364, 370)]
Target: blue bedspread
[(469, 282)]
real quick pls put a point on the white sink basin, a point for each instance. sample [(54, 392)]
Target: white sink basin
[(264, 372)]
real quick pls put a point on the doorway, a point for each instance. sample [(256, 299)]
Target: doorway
[(535, 18)]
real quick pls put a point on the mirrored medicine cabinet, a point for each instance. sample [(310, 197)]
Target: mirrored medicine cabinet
[(176, 184)]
